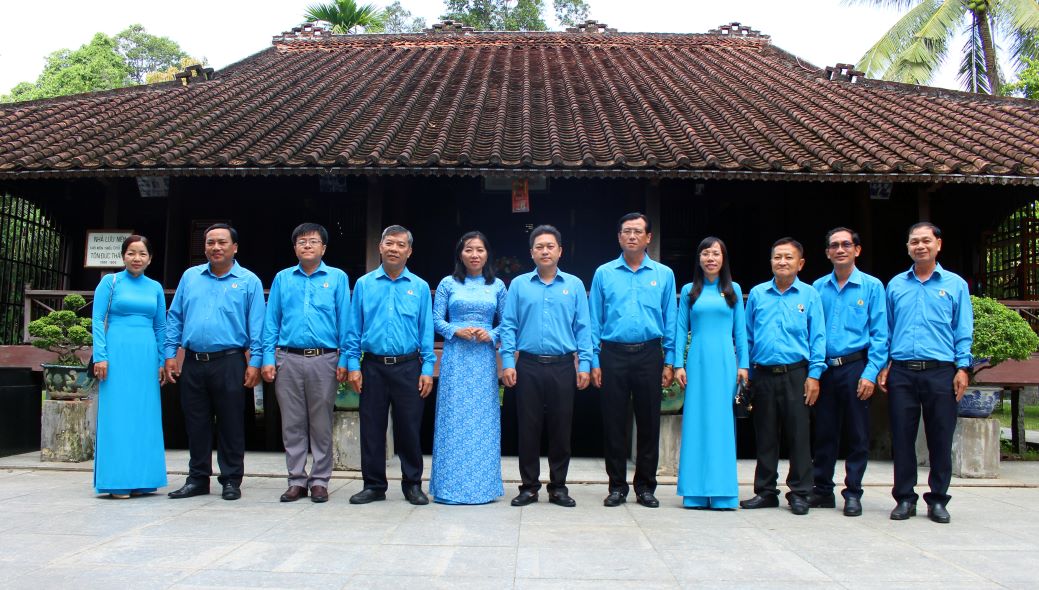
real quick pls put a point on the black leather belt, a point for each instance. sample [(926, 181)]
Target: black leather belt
[(848, 358), (390, 360), (309, 351), (625, 347), (205, 357), (780, 369), (922, 365), (547, 359)]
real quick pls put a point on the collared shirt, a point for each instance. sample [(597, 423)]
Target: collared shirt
[(856, 318), (547, 319), (785, 328), (211, 313), (390, 317), (307, 311), (930, 320), (633, 306)]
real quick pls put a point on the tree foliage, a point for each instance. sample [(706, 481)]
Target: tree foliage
[(513, 15), (1000, 334), (146, 53), (96, 65), (167, 75), (1027, 84), (346, 16), (914, 48), (63, 332), (397, 19)]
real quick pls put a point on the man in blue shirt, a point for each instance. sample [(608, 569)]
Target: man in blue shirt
[(303, 347), (633, 309), (546, 321), (391, 324), (217, 317), (785, 334), (932, 329), (856, 350)]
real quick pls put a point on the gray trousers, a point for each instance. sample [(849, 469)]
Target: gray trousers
[(306, 391)]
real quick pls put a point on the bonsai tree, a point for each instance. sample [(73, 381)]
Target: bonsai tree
[(63, 332), (1000, 334)]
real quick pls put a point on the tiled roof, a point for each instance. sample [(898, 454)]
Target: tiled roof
[(594, 102)]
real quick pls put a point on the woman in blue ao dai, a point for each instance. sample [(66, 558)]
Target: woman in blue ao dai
[(467, 433), (130, 457), (711, 309)]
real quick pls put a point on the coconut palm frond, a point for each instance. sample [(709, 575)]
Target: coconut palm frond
[(1018, 22), (346, 15), (944, 21), (918, 62), (1023, 44), (899, 4), (882, 55), (972, 74)]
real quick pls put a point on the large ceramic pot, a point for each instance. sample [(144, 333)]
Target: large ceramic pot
[(347, 399), (66, 382), (979, 402), (672, 399)]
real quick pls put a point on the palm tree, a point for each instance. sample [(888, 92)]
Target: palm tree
[(346, 16), (913, 50)]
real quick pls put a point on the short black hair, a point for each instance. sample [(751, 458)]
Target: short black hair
[(854, 235), (791, 241), (231, 230), (934, 229), (309, 228), (460, 271), (133, 239), (633, 216), (397, 229), (545, 229)]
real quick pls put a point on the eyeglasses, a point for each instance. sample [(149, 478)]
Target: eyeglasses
[(310, 242), (840, 245), (628, 231)]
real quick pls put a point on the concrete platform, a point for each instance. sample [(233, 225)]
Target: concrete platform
[(56, 533)]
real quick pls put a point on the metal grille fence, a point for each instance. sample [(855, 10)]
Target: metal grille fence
[(32, 250)]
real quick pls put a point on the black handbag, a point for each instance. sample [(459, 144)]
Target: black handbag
[(743, 403)]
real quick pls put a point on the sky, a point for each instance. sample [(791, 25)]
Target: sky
[(821, 32)]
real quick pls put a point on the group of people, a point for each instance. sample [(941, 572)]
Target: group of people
[(794, 346)]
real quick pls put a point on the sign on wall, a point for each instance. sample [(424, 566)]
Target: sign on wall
[(104, 248)]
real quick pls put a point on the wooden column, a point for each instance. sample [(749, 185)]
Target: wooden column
[(653, 212), (175, 244), (374, 223), (864, 224), (111, 213)]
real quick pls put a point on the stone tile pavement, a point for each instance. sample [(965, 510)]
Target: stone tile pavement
[(56, 533)]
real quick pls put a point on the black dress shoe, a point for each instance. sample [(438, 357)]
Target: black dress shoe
[(416, 496), (525, 497), (562, 499), (614, 499), (822, 500), (798, 505), (938, 513), (647, 499), (232, 491), (318, 494), (188, 490), (852, 507), (367, 495), (759, 501), (903, 510), (294, 493)]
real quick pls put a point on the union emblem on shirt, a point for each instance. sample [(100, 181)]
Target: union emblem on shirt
[(410, 292), (941, 292), (860, 302), (801, 307), (652, 283), (234, 285), (325, 285), (566, 292)]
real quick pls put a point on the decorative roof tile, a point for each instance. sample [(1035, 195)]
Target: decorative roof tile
[(590, 102)]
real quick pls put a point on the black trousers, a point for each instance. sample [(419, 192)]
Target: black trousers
[(839, 408), (631, 376), (544, 397), (387, 387), (208, 388), (779, 407), (931, 392)]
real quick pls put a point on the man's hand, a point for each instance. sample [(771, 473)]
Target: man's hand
[(882, 379), (101, 370), (425, 385), (269, 372), (171, 370), (162, 376), (667, 377), (959, 383), (811, 391), (582, 380), (354, 379), (865, 389), (342, 374), (508, 377), (680, 377), (597, 377), (252, 377)]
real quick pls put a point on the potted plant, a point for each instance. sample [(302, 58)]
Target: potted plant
[(65, 333), (1000, 334)]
